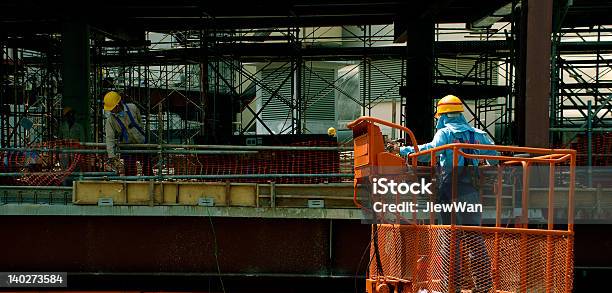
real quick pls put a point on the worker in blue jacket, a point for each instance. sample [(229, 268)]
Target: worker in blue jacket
[(452, 127)]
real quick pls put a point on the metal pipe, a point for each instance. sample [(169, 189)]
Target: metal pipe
[(550, 219), (56, 150), (512, 160), (272, 148), (453, 231), (230, 147), (10, 187), (186, 152), (590, 143), (228, 176), (525, 196), (505, 230), (131, 151), (492, 147), (496, 241), (570, 221), (581, 129), (525, 224), (80, 174), (216, 274)]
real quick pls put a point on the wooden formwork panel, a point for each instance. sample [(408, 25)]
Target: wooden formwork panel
[(221, 193)]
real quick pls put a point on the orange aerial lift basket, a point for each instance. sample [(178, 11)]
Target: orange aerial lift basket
[(423, 255)]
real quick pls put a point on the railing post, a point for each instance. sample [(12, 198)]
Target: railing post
[(590, 144), (570, 225), (551, 214), (453, 236), (498, 206), (525, 225)]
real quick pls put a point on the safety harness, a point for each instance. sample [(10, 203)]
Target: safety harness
[(133, 124), (468, 162)]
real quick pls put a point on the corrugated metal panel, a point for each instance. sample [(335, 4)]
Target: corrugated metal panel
[(386, 75), (319, 96), (447, 67), (385, 78), (272, 79)]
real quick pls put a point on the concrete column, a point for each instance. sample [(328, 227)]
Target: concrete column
[(419, 78), (533, 106), (75, 72)]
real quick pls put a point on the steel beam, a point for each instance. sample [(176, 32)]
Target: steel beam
[(57, 208), (534, 73), (470, 91), (263, 52), (419, 78), (75, 72)]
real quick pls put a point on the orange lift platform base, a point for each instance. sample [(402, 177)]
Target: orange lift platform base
[(415, 257)]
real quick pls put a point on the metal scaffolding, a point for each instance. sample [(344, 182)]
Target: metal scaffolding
[(486, 78), (581, 106), (224, 100), (30, 95), (199, 86), (213, 84)]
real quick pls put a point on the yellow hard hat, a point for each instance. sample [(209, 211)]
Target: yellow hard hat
[(331, 131), (111, 99), (449, 104), (66, 110)]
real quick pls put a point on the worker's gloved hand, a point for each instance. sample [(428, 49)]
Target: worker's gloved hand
[(393, 147), (116, 165), (404, 151)]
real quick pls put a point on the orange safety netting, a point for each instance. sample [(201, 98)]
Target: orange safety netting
[(601, 149), (486, 260), (42, 164), (263, 162), (49, 164)]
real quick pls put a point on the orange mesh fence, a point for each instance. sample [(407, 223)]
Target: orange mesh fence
[(262, 162), (42, 164), (487, 260), (52, 163), (601, 157), (601, 149)]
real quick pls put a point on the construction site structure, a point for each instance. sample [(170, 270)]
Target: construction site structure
[(239, 185)]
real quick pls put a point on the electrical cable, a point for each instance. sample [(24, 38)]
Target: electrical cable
[(379, 268), (360, 261), (375, 240), (216, 249)]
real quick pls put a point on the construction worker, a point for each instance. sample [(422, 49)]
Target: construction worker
[(123, 124), (452, 127), (70, 129), (331, 132)]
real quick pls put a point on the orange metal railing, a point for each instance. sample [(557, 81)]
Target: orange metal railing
[(430, 257)]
